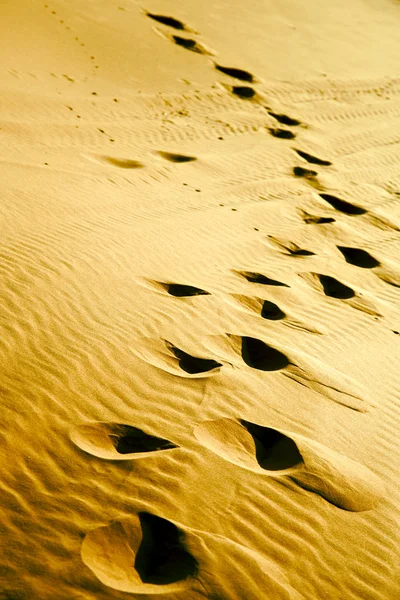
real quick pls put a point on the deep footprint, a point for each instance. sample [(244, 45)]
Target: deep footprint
[(192, 364), (190, 44), (284, 134), (278, 453), (307, 173), (236, 73), (313, 159), (183, 291), (169, 21), (259, 355), (262, 279), (272, 311), (176, 158), (116, 441), (342, 205), (284, 119), (145, 554), (334, 288), (358, 257), (243, 91)]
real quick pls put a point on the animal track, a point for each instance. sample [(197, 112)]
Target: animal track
[(259, 278), (259, 355), (176, 158), (284, 119), (236, 73), (307, 173), (169, 21), (116, 441), (192, 364), (243, 91), (342, 205), (313, 159), (190, 44), (144, 554), (358, 257), (278, 453), (285, 134), (334, 288)]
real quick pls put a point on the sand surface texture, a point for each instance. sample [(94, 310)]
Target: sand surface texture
[(200, 300)]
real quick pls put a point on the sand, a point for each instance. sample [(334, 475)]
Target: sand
[(200, 291)]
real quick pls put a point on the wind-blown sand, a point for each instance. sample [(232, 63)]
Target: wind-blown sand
[(200, 292)]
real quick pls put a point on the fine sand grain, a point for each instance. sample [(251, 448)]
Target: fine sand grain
[(200, 293)]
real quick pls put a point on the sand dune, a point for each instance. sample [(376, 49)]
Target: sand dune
[(200, 291)]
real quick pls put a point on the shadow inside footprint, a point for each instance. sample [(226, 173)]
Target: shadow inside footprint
[(263, 279), (284, 134), (301, 172), (176, 158), (169, 21), (274, 450), (313, 159), (259, 355), (272, 311), (315, 220), (243, 91), (183, 291), (192, 364), (190, 44), (335, 289), (161, 558), (342, 205), (284, 119), (123, 163), (236, 73), (358, 257), (116, 441)]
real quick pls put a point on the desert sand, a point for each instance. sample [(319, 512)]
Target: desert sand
[(200, 293)]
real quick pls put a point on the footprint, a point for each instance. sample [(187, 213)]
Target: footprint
[(243, 91), (176, 158), (343, 206), (259, 278), (307, 173), (236, 73), (347, 484), (261, 356), (166, 356), (358, 257), (122, 163), (313, 159), (116, 441), (169, 21), (192, 364), (284, 119), (334, 288), (315, 220), (145, 554), (271, 311), (191, 45), (290, 248), (184, 291), (285, 134)]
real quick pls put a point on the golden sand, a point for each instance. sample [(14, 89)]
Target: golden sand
[(200, 292)]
